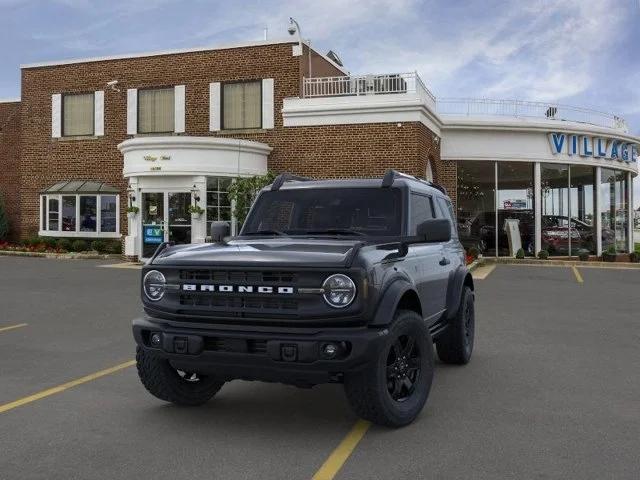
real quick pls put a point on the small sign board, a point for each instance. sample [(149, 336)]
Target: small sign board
[(512, 227), (153, 234)]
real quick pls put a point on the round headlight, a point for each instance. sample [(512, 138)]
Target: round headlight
[(153, 285), (339, 290)]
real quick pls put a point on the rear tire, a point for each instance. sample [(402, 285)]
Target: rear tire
[(455, 345), (393, 392), (171, 385)]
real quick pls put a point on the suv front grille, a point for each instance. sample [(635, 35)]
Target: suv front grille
[(232, 276)]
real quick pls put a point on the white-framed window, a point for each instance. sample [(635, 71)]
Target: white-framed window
[(242, 105), (156, 110), (218, 203), (78, 114), (80, 215)]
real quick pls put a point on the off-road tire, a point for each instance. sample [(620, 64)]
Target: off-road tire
[(164, 382), (455, 345), (368, 391)]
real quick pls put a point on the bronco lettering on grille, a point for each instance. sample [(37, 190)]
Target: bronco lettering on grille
[(191, 287)]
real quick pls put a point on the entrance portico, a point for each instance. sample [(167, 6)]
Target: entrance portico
[(168, 174)]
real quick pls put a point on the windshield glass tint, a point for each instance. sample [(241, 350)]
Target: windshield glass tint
[(365, 211)]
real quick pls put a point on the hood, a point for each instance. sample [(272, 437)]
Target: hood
[(265, 251)]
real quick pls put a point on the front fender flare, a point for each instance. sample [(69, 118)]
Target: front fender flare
[(389, 301)]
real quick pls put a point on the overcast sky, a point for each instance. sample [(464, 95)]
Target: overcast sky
[(582, 52)]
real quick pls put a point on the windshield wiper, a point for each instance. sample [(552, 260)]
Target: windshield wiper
[(266, 232), (335, 231)]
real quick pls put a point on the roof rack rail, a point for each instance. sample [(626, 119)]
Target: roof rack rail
[(287, 177), (391, 174)]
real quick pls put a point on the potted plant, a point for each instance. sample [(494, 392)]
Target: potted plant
[(132, 211), (196, 211), (610, 254), (520, 254), (543, 254)]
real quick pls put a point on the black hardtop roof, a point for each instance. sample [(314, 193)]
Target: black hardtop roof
[(391, 179)]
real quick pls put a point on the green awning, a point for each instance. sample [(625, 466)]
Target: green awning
[(81, 186)]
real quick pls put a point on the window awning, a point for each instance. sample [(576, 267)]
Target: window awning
[(81, 186)]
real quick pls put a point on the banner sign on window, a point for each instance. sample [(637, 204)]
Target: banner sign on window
[(153, 234)]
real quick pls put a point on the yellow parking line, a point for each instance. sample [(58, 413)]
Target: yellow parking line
[(11, 327), (577, 274), (482, 272), (334, 463), (64, 386)]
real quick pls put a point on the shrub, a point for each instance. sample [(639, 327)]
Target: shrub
[(31, 241), (99, 246), (79, 245), (610, 254), (50, 242), (520, 253), (114, 247), (64, 244), (473, 252), (634, 257), (4, 221), (543, 254), (583, 255)]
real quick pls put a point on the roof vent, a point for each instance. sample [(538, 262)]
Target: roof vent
[(334, 57)]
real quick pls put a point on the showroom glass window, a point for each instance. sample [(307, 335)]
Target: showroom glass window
[(78, 114), (582, 195), (614, 192), (156, 110), (218, 203), (242, 105), (476, 205), (78, 215), (515, 205)]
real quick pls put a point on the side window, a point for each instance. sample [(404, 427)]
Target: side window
[(421, 209), (446, 210)]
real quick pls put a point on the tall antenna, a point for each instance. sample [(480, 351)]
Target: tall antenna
[(266, 33)]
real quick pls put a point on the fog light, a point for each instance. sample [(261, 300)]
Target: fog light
[(156, 340), (330, 350)]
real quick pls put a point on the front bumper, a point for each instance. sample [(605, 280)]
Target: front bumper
[(293, 358)]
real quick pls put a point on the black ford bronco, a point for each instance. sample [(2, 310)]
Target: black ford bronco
[(342, 281)]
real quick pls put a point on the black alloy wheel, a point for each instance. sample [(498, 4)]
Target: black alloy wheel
[(403, 368)]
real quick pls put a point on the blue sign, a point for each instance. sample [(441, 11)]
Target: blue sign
[(153, 234), (598, 147)]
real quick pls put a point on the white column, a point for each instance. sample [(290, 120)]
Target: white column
[(598, 210), (199, 225), (630, 212), (132, 243), (537, 195)]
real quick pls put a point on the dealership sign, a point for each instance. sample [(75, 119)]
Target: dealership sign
[(597, 147)]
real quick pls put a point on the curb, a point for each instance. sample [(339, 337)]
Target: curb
[(563, 263), (62, 256)]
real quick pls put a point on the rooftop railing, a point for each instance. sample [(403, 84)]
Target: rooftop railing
[(357, 85), (518, 108), (411, 83)]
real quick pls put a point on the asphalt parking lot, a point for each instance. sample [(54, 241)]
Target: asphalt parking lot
[(553, 390)]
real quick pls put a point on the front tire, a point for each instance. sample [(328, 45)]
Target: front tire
[(171, 385), (394, 391), (456, 343)]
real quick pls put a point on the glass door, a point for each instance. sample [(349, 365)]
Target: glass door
[(179, 221), (165, 218), (153, 222)]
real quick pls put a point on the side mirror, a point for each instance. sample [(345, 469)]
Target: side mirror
[(435, 230), (219, 230)]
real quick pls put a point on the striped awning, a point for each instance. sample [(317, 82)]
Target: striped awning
[(81, 186)]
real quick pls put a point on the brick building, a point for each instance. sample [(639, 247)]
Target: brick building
[(163, 131)]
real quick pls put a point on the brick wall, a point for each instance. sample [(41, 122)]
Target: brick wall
[(326, 151), (9, 160)]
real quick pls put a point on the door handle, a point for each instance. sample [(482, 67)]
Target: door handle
[(445, 261)]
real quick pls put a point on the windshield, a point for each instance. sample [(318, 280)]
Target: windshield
[(331, 211)]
